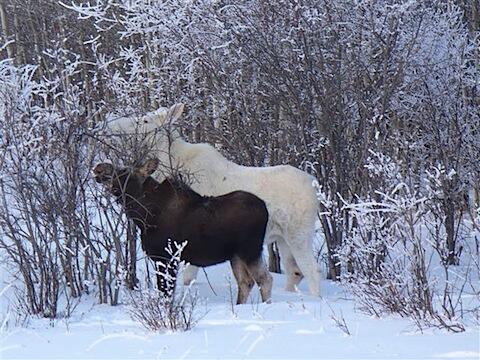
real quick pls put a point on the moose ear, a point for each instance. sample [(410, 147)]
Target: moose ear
[(149, 167), (175, 112), (161, 115), (102, 171), (169, 116)]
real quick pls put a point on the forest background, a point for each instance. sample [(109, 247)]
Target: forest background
[(377, 99)]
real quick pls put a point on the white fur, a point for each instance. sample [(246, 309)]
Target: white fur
[(288, 192)]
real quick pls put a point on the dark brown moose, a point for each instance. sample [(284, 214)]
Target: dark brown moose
[(228, 227)]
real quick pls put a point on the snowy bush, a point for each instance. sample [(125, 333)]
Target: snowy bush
[(58, 243), (396, 259), (155, 312), (159, 311)]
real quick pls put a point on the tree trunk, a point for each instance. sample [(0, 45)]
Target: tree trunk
[(475, 17), (131, 256), (273, 259), (6, 31), (449, 208), (20, 51), (331, 239)]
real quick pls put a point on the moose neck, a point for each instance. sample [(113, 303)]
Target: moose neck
[(146, 205), (170, 153), (143, 204)]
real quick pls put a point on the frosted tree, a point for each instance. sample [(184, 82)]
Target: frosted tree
[(437, 117)]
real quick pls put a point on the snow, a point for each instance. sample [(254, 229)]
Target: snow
[(294, 325)]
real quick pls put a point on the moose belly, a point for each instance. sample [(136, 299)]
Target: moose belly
[(205, 256)]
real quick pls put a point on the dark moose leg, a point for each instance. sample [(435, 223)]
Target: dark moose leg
[(244, 280), (166, 272), (259, 271)]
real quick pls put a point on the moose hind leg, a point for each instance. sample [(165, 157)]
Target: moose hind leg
[(244, 280), (293, 272), (259, 271), (306, 262)]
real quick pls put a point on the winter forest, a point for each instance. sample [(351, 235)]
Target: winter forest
[(377, 100)]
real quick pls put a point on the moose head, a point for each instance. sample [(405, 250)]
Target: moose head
[(121, 181)]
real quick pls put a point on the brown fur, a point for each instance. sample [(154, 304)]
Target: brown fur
[(230, 227)]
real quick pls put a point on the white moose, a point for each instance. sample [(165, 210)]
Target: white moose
[(288, 192)]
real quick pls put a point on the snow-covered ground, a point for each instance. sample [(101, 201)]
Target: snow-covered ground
[(294, 325)]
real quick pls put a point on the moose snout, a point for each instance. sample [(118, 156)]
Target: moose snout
[(100, 179)]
